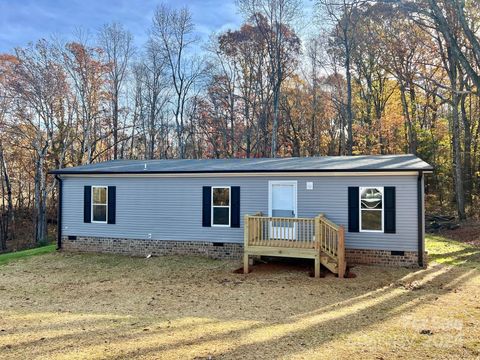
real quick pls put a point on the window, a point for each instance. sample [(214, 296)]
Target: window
[(99, 204), (371, 209), (221, 206)]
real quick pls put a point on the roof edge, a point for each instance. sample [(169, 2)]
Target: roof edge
[(100, 172)]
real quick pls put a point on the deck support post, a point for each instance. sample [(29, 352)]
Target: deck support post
[(318, 245), (245, 263), (317, 266), (341, 252), (246, 239)]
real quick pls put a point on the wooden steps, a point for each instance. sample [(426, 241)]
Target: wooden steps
[(330, 263), (311, 238)]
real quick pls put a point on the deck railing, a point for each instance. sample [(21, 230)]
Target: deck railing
[(281, 232), (319, 235), (331, 236)]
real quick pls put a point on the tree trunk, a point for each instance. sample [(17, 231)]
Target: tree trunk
[(349, 102), (408, 122), (6, 215), (115, 125), (467, 146), (456, 136), (413, 119), (40, 201), (276, 99)]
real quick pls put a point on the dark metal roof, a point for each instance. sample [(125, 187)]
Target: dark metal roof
[(361, 163)]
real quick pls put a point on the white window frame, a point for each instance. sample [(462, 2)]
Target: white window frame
[(360, 207), (106, 204), (282, 182), (222, 206)]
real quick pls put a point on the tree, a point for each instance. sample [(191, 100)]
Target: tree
[(222, 93), (373, 81), (247, 53), (116, 43), (274, 19), (450, 17), (151, 98), (39, 83), (87, 74), (343, 17), (378, 77), (6, 205), (447, 19), (173, 34)]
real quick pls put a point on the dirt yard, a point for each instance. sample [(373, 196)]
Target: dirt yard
[(70, 306)]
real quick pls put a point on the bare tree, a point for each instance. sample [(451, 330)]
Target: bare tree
[(6, 207), (343, 16), (445, 21), (223, 90), (451, 65), (116, 43), (39, 84), (247, 54), (275, 20), (87, 74), (313, 58), (173, 34), (152, 91), (467, 55)]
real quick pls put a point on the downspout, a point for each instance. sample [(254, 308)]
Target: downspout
[(420, 207), (59, 212)]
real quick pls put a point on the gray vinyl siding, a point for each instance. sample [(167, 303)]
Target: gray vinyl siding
[(170, 208)]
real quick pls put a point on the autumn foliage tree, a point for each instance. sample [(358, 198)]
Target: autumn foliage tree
[(366, 77)]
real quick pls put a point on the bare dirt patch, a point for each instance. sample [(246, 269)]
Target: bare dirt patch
[(468, 232), (68, 306)]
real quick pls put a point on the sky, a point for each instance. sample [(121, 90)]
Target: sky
[(24, 21)]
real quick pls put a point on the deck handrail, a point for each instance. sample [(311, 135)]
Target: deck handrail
[(278, 217), (329, 222), (312, 234)]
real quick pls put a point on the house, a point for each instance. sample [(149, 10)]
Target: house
[(372, 207)]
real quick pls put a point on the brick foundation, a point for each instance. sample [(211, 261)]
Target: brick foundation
[(138, 247), (382, 258), (227, 251)]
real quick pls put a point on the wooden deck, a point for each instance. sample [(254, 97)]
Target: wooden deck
[(312, 238)]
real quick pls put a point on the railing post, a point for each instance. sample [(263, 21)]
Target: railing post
[(341, 252), (318, 246), (246, 239)]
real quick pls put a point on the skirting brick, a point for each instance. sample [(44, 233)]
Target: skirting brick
[(227, 251), (381, 257), (144, 247)]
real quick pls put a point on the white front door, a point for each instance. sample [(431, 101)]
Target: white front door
[(282, 204)]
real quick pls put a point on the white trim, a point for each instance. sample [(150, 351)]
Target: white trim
[(282, 182), (221, 206), (106, 204), (253, 174), (360, 208)]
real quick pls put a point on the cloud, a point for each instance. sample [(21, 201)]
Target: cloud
[(27, 21)]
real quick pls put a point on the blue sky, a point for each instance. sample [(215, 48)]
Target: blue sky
[(23, 21)]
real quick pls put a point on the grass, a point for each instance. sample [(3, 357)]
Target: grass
[(72, 306), (8, 257), (451, 252)]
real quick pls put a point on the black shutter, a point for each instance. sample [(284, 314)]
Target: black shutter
[(389, 211), (207, 206), (87, 204), (112, 204), (235, 207), (353, 209)]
